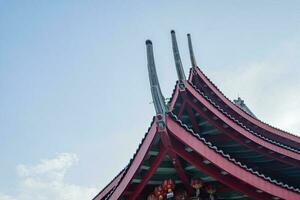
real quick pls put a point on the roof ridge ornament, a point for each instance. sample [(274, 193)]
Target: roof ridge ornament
[(158, 98), (178, 63), (192, 56)]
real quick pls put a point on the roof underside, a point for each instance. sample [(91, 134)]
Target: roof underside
[(166, 170), (248, 155), (208, 171)]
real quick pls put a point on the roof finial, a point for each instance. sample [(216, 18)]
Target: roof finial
[(192, 56), (179, 68), (158, 99)]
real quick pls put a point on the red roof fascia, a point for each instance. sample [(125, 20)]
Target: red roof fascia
[(232, 136), (253, 120), (110, 186), (149, 173), (218, 160), (174, 97), (239, 129), (135, 164)]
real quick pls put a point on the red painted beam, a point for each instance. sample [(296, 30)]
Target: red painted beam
[(234, 134), (230, 167), (175, 161), (190, 112), (239, 129), (193, 119), (180, 171), (154, 165), (181, 110), (248, 117), (226, 180)]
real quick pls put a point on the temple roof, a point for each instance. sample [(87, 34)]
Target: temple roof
[(201, 133), (234, 167)]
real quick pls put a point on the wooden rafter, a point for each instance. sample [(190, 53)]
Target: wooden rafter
[(182, 108), (193, 119), (218, 138)]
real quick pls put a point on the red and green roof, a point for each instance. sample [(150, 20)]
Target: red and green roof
[(202, 134)]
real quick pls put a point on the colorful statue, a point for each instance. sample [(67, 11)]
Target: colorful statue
[(159, 192), (197, 184), (211, 190), (169, 186)]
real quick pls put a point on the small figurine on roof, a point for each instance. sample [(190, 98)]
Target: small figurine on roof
[(211, 190), (169, 186), (197, 185)]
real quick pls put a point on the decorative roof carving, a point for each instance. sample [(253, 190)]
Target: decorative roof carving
[(241, 104)]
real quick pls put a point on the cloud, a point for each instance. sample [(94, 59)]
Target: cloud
[(46, 181), (6, 197)]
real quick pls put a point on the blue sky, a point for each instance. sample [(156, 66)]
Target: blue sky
[(75, 97)]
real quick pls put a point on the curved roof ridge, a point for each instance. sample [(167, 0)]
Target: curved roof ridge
[(257, 119), (230, 158), (241, 103), (128, 165), (121, 173), (242, 125)]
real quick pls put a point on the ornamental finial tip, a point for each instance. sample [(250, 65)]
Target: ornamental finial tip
[(192, 56), (148, 42), (178, 64)]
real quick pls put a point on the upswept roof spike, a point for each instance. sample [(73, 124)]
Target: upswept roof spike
[(158, 99), (192, 56), (178, 63)]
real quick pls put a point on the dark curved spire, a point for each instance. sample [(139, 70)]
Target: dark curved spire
[(179, 68), (192, 56), (158, 99)]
